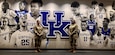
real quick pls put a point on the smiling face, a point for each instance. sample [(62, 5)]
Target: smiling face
[(75, 10), (35, 7), (84, 26), (22, 6)]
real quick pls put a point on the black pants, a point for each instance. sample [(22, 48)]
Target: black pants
[(38, 42)]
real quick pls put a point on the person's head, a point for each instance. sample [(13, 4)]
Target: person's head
[(35, 5), (5, 6), (38, 22), (91, 16), (23, 5), (75, 6), (111, 13), (94, 4), (23, 22), (113, 5), (105, 22), (4, 22), (73, 21), (101, 5), (84, 26)]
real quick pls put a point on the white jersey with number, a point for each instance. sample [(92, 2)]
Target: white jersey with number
[(111, 43), (22, 39), (4, 37), (100, 15), (31, 22), (99, 41), (84, 39)]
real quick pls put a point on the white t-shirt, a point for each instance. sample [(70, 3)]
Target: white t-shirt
[(22, 39)]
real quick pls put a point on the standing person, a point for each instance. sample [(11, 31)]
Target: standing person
[(22, 38), (22, 12), (34, 14), (73, 34), (10, 14), (75, 6), (4, 33), (39, 35), (84, 36), (101, 14)]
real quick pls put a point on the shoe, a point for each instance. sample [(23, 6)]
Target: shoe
[(74, 51), (39, 50), (36, 51), (71, 50)]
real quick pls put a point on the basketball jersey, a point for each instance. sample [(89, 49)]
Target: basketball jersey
[(91, 26), (20, 14), (4, 37), (100, 17), (78, 21), (99, 41), (22, 39), (111, 24), (84, 39), (111, 43), (31, 22), (10, 14), (105, 33)]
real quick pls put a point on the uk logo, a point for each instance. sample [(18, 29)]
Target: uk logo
[(57, 25)]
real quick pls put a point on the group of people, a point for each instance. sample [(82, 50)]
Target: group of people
[(23, 29), (92, 29)]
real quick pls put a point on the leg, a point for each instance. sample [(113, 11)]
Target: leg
[(74, 45)]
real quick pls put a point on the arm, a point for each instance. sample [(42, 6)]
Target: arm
[(41, 32), (76, 30)]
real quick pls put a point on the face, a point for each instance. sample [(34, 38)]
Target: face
[(38, 22), (35, 7), (83, 25), (23, 23), (94, 6), (4, 23), (92, 17), (75, 10), (105, 23), (22, 6), (100, 7), (72, 21), (5, 6)]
